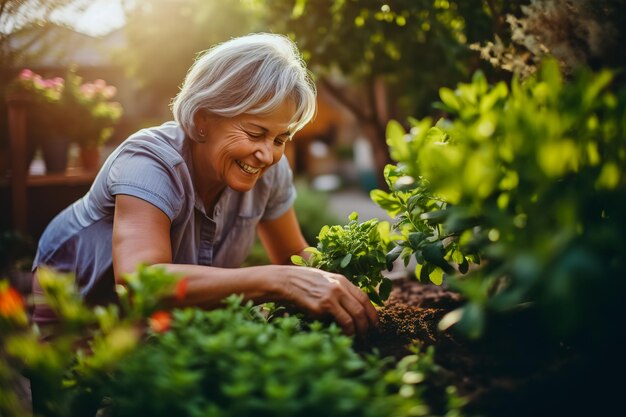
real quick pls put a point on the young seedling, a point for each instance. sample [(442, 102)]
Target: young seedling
[(357, 251)]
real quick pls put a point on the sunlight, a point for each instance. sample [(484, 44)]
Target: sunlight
[(100, 18)]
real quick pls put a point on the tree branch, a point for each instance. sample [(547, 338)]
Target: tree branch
[(497, 17)]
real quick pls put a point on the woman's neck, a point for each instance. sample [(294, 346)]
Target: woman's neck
[(208, 190)]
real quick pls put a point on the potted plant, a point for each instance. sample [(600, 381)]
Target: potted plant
[(42, 98), (93, 114)]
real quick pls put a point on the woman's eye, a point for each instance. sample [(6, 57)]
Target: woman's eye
[(279, 142), (254, 134)]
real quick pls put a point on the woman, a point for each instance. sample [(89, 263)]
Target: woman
[(188, 195)]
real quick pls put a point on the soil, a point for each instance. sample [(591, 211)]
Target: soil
[(516, 372)]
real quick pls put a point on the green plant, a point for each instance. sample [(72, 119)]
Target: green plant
[(233, 361), (355, 250), (529, 180)]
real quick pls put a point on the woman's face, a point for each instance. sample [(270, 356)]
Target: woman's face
[(238, 150)]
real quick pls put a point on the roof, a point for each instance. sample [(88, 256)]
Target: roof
[(60, 46)]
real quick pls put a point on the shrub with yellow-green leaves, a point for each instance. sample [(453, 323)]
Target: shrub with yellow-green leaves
[(527, 182)]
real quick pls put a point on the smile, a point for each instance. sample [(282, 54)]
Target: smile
[(247, 168)]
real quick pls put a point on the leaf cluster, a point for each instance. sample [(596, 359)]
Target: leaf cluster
[(233, 361), (356, 250), (527, 178)]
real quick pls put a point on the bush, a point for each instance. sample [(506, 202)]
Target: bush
[(136, 359), (528, 181)]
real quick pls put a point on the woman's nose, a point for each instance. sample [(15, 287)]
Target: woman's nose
[(264, 153)]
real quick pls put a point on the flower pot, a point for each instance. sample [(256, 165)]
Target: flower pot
[(55, 150), (90, 158)]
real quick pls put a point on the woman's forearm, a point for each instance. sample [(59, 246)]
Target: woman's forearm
[(207, 286)]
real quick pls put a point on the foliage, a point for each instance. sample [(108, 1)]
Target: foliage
[(530, 178), (16, 251), (235, 361), (153, 31), (25, 28), (367, 39), (355, 250), (585, 32), (232, 362)]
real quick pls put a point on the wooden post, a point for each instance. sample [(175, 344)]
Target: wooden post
[(17, 108)]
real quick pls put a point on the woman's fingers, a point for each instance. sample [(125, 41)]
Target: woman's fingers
[(364, 300), (345, 321), (323, 293)]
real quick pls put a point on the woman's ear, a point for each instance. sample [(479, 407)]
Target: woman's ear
[(201, 125)]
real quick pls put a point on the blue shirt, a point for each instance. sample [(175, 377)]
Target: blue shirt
[(155, 165)]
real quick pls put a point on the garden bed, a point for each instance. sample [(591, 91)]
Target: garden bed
[(506, 374)]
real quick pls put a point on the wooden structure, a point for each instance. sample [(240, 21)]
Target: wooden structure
[(29, 202)]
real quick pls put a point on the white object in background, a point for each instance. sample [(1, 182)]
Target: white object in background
[(363, 155)]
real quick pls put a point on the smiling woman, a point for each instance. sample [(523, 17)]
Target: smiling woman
[(190, 194)]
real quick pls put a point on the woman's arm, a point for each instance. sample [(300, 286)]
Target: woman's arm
[(141, 234)]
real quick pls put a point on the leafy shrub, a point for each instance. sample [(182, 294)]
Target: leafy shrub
[(233, 362), (357, 251), (135, 359), (528, 181)]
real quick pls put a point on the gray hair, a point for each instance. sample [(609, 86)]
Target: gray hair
[(252, 74)]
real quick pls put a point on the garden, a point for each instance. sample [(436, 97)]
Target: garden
[(507, 204)]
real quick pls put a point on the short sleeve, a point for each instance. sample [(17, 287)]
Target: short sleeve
[(146, 174), (283, 192)]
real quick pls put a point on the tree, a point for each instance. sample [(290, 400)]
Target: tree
[(24, 23), (164, 37), (398, 54)]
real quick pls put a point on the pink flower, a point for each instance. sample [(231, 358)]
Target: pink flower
[(88, 90), (58, 81), (99, 84), (26, 74), (109, 91)]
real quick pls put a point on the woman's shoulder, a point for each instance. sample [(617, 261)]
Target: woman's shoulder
[(165, 143)]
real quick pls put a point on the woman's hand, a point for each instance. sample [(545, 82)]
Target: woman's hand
[(322, 293)]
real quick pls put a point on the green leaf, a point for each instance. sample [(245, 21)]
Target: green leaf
[(436, 276), (434, 254), (398, 147), (346, 260), (450, 99), (385, 288)]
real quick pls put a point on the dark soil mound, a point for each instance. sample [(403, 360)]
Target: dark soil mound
[(515, 371)]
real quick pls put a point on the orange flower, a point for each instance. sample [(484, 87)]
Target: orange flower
[(11, 304), (181, 288), (160, 321)]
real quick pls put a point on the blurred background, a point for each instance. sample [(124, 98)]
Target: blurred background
[(373, 61)]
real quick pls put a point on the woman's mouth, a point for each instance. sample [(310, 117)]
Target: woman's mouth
[(247, 168)]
